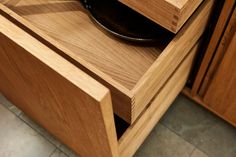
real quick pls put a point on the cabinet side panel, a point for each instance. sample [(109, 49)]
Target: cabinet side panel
[(220, 95)]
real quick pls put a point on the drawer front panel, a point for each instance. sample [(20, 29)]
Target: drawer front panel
[(63, 99)]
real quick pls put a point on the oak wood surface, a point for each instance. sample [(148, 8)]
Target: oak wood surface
[(68, 23), (215, 39), (133, 73), (63, 99), (187, 92), (219, 54), (137, 132), (221, 93), (170, 14)]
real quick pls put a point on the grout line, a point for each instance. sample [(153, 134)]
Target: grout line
[(178, 135), (41, 134), (22, 120), (53, 152), (196, 146), (192, 151), (20, 114)]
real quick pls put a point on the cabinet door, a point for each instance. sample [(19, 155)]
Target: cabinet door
[(221, 94), (62, 98)]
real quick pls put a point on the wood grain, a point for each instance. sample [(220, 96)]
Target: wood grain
[(68, 23), (187, 92), (219, 54), (221, 94), (170, 14), (63, 99), (136, 133), (215, 39)]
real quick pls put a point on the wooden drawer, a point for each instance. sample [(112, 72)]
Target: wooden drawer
[(170, 14), (57, 72), (132, 73), (69, 103)]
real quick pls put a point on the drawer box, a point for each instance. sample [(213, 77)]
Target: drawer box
[(170, 14), (55, 84), (132, 73), (85, 125)]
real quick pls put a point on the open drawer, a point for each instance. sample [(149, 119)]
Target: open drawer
[(69, 103), (132, 73), (46, 73)]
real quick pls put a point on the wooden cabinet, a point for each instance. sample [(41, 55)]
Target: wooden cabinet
[(71, 78), (215, 85)]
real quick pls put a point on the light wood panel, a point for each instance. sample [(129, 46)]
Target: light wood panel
[(170, 14), (215, 39), (219, 54), (136, 134), (221, 93), (63, 99), (187, 92)]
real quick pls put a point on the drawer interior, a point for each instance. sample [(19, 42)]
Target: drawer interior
[(70, 25), (133, 73)]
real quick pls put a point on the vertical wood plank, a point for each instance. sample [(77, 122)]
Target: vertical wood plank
[(221, 93), (220, 26)]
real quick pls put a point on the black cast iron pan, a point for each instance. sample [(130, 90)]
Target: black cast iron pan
[(121, 21)]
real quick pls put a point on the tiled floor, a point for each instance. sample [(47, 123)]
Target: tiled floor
[(186, 130)]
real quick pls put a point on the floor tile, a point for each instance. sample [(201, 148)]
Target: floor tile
[(188, 120), (219, 141), (164, 143), (40, 130), (198, 153), (58, 153), (9, 105), (19, 140), (68, 151)]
